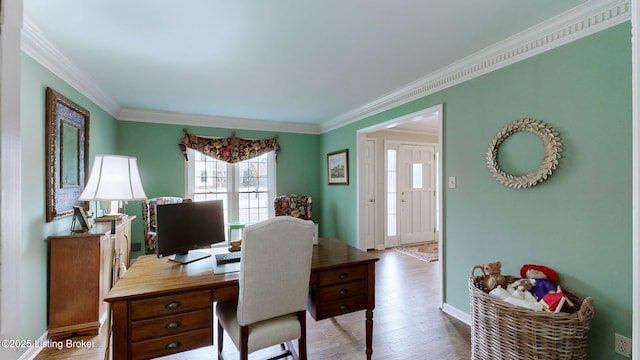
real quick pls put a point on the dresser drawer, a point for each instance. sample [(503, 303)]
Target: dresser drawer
[(172, 344), (170, 325), (344, 306), (337, 276), (341, 291), (170, 304)]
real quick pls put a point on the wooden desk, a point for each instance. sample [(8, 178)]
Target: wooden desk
[(161, 307)]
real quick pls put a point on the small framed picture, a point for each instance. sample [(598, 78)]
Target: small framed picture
[(81, 217), (338, 167)]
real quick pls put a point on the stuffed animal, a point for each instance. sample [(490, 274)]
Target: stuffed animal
[(517, 298), (523, 288), (542, 277), (492, 276)]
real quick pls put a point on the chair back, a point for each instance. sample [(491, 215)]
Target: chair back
[(149, 207), (295, 205), (274, 269)]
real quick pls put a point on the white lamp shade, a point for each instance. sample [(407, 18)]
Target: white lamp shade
[(114, 177)]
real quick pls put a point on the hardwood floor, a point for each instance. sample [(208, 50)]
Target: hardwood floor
[(408, 324)]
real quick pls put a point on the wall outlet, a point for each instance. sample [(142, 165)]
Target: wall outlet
[(622, 345)]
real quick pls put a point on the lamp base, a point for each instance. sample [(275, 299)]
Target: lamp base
[(111, 217)]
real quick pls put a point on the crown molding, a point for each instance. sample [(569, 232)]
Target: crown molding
[(582, 21), (577, 23), (36, 45), (165, 117)]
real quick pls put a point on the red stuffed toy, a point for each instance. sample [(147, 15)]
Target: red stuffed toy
[(543, 278)]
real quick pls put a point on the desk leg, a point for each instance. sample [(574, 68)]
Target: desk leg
[(369, 330), (120, 330)]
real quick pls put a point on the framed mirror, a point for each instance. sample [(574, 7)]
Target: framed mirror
[(67, 152)]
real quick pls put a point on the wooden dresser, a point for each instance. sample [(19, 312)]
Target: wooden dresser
[(82, 269)]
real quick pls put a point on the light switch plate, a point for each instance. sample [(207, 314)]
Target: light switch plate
[(452, 182)]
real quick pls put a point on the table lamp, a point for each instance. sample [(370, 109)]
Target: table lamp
[(113, 178)]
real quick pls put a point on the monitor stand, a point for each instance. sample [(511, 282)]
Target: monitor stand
[(190, 256)]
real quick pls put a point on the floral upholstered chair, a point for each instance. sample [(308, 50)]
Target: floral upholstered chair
[(298, 206), (149, 219)]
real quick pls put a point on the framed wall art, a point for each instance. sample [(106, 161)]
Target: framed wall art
[(67, 152), (338, 167)]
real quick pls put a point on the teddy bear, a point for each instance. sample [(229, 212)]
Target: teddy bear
[(492, 275), (522, 289)]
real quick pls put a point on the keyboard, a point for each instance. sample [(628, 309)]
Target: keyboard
[(226, 258)]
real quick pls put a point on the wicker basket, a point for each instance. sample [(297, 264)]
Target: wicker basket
[(500, 330)]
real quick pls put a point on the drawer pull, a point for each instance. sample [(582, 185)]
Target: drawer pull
[(343, 276), (172, 345), (343, 307), (173, 305), (173, 325), (343, 291)]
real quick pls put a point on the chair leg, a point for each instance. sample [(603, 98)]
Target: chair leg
[(220, 337), (302, 342), (244, 342)]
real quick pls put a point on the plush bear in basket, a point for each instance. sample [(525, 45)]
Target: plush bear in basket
[(492, 275)]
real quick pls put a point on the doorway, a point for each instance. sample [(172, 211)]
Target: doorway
[(374, 177)]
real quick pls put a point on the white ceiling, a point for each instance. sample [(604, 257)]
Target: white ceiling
[(307, 62)]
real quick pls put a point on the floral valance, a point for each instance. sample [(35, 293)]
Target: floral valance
[(231, 149)]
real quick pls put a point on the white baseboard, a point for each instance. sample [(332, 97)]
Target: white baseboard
[(35, 349), (457, 313)]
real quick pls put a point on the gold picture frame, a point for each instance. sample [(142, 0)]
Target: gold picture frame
[(67, 152), (338, 167)]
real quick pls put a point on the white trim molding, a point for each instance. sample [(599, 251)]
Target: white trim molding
[(36, 45), (457, 313), (165, 117), (582, 21), (10, 175)]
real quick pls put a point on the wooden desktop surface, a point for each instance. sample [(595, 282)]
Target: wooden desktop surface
[(342, 281)]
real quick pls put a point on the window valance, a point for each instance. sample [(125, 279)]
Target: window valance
[(231, 149)]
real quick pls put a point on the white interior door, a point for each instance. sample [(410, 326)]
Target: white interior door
[(369, 198), (416, 193)]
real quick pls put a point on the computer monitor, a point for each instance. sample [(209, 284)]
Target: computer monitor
[(183, 227)]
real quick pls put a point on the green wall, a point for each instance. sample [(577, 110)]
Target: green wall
[(162, 165), (578, 222), (34, 259)]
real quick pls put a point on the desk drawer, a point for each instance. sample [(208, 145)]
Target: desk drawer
[(343, 306), (338, 276), (170, 325), (170, 304), (172, 344), (341, 291)]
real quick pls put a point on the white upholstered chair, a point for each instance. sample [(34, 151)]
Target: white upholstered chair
[(274, 280)]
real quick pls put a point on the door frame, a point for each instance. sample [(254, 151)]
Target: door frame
[(437, 110)]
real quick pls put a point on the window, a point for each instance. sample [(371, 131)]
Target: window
[(247, 187), (391, 193)]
